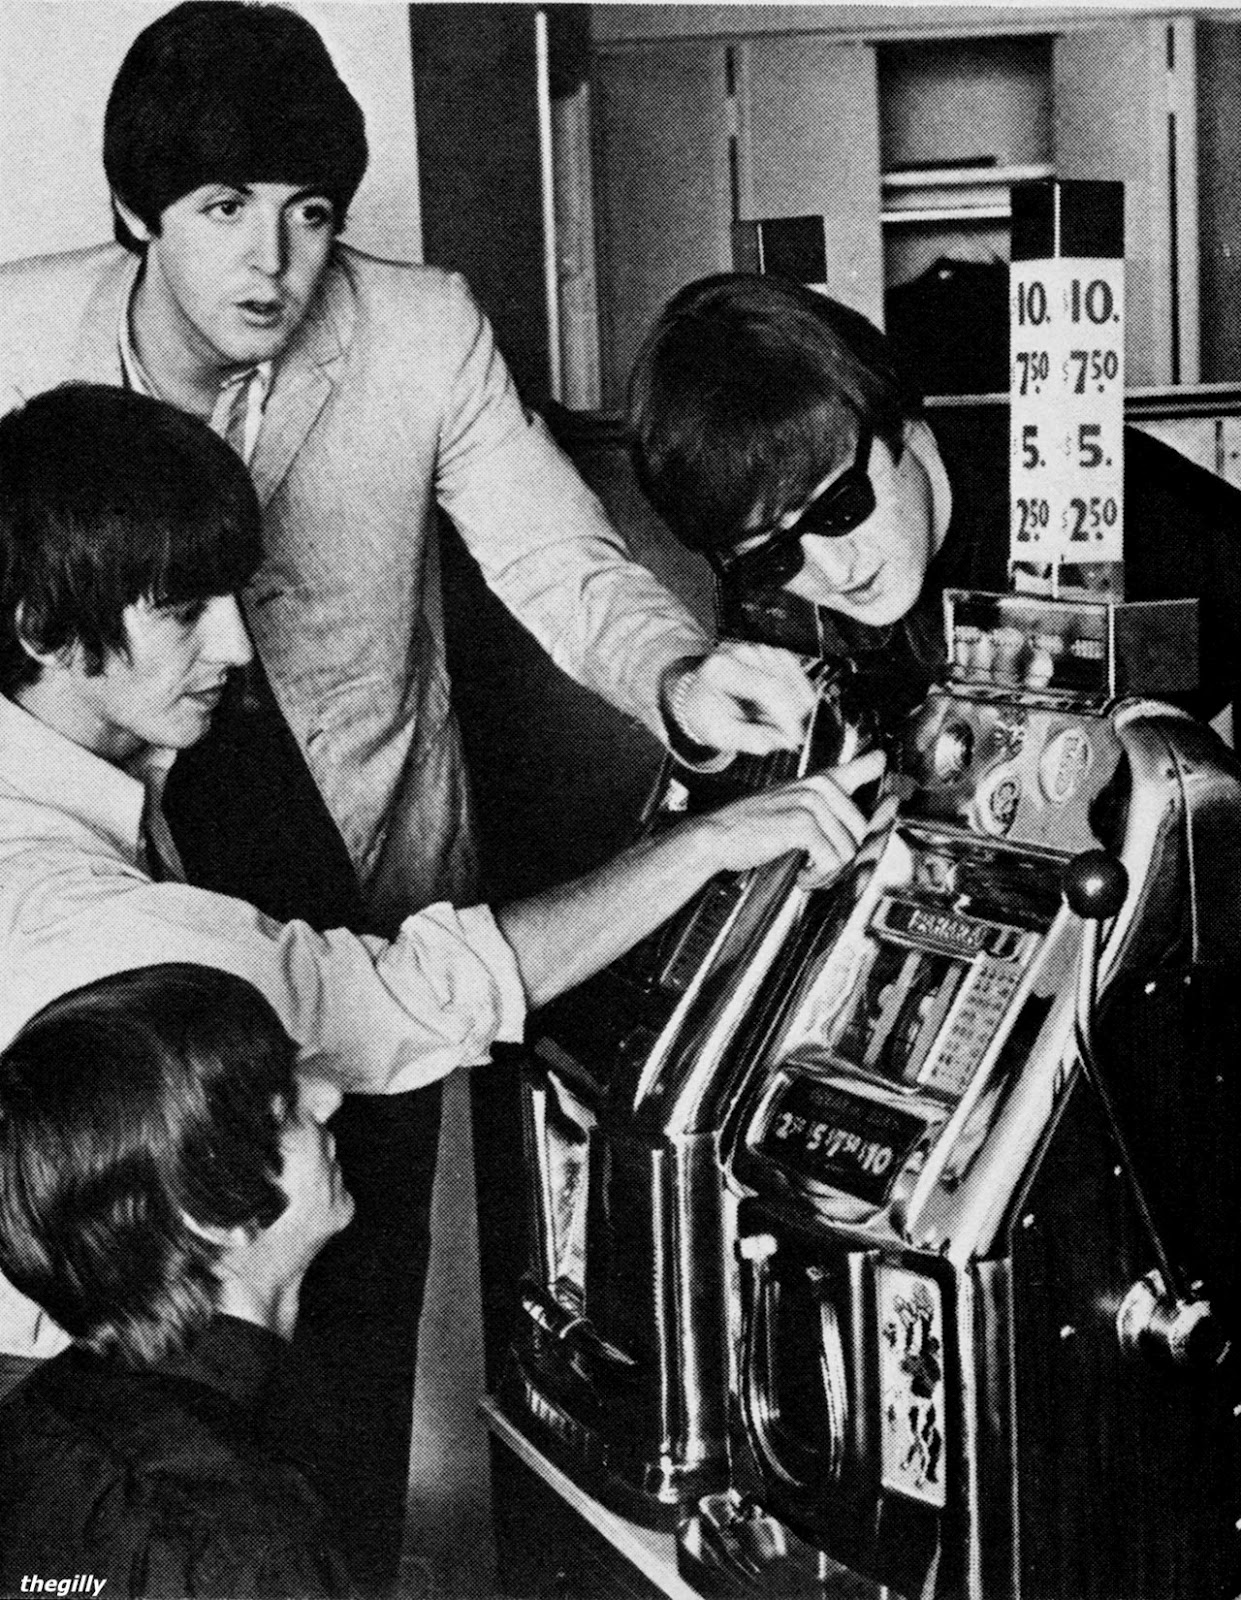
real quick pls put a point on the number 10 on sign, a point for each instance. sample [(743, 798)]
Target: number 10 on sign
[(1067, 411)]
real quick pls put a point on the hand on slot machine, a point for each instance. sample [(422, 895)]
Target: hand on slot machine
[(752, 698), (565, 935), (816, 815)]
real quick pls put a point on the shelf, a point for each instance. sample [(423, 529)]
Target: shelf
[(951, 214), (960, 177), (954, 194), (653, 1554), (1164, 403)]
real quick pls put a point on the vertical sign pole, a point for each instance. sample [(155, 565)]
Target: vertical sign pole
[(1067, 325)]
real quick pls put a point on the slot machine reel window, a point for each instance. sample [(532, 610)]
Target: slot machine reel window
[(878, 1006), (889, 1024)]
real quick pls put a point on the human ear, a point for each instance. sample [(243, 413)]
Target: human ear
[(132, 220), (34, 649), (225, 1239)]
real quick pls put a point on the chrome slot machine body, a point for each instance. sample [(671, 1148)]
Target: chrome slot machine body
[(956, 1370), (618, 1365)]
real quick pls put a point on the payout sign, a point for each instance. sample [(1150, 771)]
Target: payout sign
[(1067, 411)]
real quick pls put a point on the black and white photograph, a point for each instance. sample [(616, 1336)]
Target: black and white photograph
[(620, 839)]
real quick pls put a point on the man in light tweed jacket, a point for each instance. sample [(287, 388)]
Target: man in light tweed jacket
[(363, 395)]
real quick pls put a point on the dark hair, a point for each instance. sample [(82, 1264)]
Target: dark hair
[(107, 498), (126, 1107), (746, 393), (237, 94)]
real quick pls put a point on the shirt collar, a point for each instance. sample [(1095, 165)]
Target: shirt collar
[(235, 1357), (258, 378), (43, 765)]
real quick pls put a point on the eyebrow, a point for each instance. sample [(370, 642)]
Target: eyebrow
[(310, 191)]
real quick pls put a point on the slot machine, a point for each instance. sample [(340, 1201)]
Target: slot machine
[(984, 1168), (983, 1291), (618, 1364)]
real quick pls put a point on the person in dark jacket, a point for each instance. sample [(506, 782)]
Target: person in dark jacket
[(165, 1181), (778, 432)]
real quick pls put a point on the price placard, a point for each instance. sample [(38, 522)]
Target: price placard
[(1067, 411)]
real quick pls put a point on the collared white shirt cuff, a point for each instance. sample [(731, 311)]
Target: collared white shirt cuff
[(457, 976), (483, 932)]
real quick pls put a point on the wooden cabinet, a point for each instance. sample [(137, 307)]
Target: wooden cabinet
[(694, 133), (905, 135), (960, 121), (662, 188), (1126, 107)]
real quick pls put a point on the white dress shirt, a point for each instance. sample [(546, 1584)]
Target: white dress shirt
[(390, 404), (76, 904)]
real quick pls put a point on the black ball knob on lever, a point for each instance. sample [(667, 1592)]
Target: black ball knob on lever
[(1162, 1316), (1095, 885)]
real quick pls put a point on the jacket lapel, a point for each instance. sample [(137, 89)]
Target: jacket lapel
[(305, 376)]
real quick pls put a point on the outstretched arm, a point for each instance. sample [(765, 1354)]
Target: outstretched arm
[(566, 935), (548, 549)]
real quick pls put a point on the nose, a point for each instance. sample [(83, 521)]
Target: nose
[(320, 1098), (225, 633), (834, 560), (269, 240)]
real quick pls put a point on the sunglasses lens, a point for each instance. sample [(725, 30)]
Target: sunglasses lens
[(781, 561), (766, 566), (841, 509)]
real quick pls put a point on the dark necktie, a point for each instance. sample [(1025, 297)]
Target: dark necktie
[(248, 819)]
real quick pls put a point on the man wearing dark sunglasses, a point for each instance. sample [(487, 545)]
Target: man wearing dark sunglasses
[(773, 556), (775, 432)]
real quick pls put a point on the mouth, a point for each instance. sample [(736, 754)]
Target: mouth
[(867, 590), (210, 697), (262, 312)]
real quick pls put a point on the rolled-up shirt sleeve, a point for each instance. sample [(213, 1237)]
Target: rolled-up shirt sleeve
[(456, 969)]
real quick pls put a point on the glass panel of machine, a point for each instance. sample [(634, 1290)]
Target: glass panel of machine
[(1013, 642), (565, 1164), (901, 1004), (915, 999), (821, 1132)]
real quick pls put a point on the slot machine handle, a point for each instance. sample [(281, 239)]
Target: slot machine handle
[(1162, 1315), (608, 1371)]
